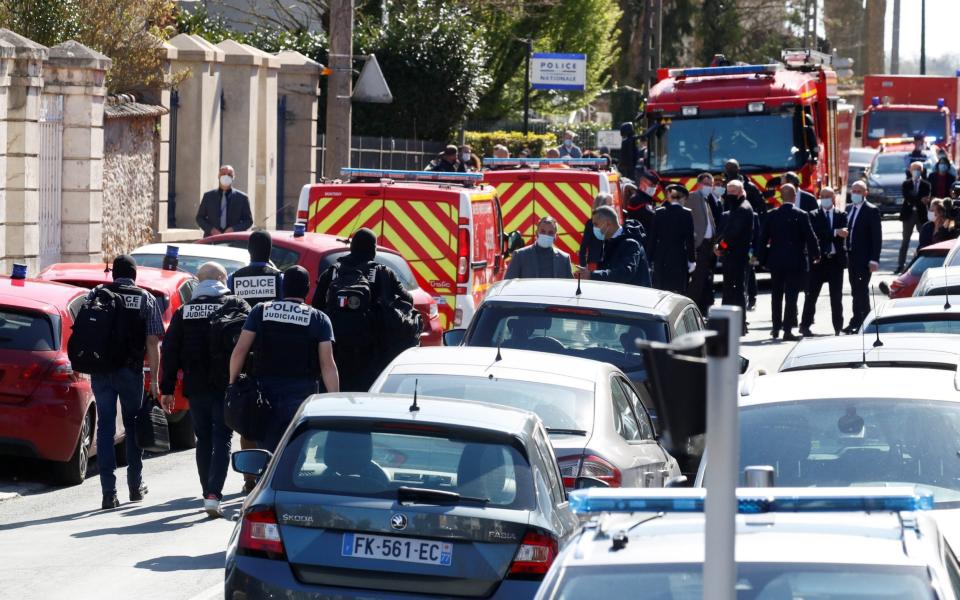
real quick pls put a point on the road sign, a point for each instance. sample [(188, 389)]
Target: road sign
[(609, 138), (371, 86), (550, 71)]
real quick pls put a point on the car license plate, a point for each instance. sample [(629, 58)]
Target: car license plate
[(381, 547)]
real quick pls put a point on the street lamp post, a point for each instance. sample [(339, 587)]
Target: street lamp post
[(526, 88), (923, 37)]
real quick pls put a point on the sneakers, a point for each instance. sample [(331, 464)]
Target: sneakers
[(110, 501), (211, 504), (137, 494)]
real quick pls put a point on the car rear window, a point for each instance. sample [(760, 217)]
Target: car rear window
[(394, 261), (28, 330), (189, 264), (377, 461), (282, 258), (945, 323), (924, 262)]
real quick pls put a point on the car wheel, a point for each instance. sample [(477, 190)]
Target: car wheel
[(181, 433), (74, 471)]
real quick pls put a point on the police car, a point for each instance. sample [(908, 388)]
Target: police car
[(827, 544)]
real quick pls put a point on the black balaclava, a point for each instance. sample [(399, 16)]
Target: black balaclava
[(626, 130), (296, 282), (124, 266), (260, 245), (363, 245)]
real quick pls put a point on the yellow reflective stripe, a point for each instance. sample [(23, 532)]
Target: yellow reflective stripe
[(418, 262), (410, 226), (442, 231), (518, 220), (559, 207), (515, 198), (590, 189), (503, 187), (313, 208)]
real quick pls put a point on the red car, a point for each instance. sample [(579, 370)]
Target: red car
[(171, 289), (46, 409), (315, 252), (931, 256)]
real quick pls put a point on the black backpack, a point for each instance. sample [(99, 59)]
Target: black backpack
[(350, 299), (226, 324), (633, 229), (98, 343)]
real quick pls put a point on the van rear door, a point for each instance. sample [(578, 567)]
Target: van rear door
[(567, 196), (515, 188), (341, 209), (485, 265)]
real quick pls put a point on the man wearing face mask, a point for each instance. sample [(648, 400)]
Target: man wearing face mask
[(447, 162), (672, 246), (806, 201), (942, 179), (624, 259), (225, 209), (706, 211), (568, 148), (830, 226), (736, 240), (639, 206), (629, 153), (864, 238), (913, 214), (541, 259)]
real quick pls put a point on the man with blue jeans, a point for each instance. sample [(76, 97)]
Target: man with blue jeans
[(144, 328), (293, 349)]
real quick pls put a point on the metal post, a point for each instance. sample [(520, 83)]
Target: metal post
[(895, 40), (923, 37), (281, 158), (339, 88), (526, 89), (172, 167), (723, 448), (658, 33), (223, 106)]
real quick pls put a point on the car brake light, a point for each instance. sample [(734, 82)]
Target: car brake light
[(434, 310), (458, 317), (535, 555), (60, 370), (589, 466), (463, 254), (260, 533), (573, 310)]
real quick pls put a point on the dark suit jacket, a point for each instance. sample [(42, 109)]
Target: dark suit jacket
[(736, 232), (828, 241), (238, 211), (865, 237), (806, 201), (624, 261), (672, 243), (912, 201), (788, 242)]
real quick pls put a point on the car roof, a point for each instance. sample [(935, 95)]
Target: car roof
[(903, 383), (920, 348), (939, 277), (914, 305), (202, 250), (442, 411), (160, 280), (944, 247), (320, 242), (526, 365), (593, 294), (36, 294)]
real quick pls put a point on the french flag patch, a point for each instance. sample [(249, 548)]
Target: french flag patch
[(343, 301)]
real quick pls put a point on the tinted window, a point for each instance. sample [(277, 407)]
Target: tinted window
[(624, 420), (558, 407), (646, 428), (27, 330), (376, 463), (947, 323), (189, 264), (925, 262), (394, 261), (186, 290)]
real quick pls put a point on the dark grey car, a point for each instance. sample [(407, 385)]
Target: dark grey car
[(885, 177), (383, 496)]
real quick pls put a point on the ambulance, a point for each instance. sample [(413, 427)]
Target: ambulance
[(562, 188), (448, 227)]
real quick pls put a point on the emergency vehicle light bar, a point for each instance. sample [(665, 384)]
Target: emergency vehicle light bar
[(731, 70), (462, 178), (536, 162), (752, 500)]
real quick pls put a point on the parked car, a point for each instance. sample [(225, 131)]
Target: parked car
[(860, 159), (932, 256), (925, 315), (593, 414), (922, 350), (316, 252), (939, 281), (171, 289), (953, 257), (385, 496), (886, 175), (46, 408), (191, 256)]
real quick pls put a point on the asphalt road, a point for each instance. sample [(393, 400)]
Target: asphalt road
[(56, 543)]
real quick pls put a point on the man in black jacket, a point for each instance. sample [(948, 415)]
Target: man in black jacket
[(624, 260), (787, 247), (672, 245), (830, 226), (629, 153), (864, 238), (733, 246), (913, 214), (806, 201), (225, 209)]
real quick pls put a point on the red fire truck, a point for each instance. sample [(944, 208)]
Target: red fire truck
[(772, 118), (900, 106)]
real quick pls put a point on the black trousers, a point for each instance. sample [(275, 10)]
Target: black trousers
[(829, 272), (860, 290), (751, 277), (785, 286), (734, 281), (701, 281)]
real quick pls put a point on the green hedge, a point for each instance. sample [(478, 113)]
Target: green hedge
[(482, 142)]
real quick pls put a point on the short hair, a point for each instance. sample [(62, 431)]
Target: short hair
[(732, 161), (917, 164), (828, 189), (547, 219), (553, 153), (602, 199), (736, 183), (607, 214), (860, 183), (222, 167), (791, 177), (451, 149), (212, 271), (789, 187), (703, 176)]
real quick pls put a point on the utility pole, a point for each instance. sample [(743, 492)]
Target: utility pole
[(895, 43), (526, 88), (646, 58), (923, 37), (658, 37), (339, 88)]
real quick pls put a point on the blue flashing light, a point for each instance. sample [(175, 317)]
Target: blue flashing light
[(875, 101), (299, 229), (957, 73), (19, 271), (173, 251), (941, 103), (729, 70), (463, 178), (534, 162), (753, 500)]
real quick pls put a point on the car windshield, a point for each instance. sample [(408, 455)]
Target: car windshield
[(857, 442), (940, 323), (580, 332), (27, 330), (376, 459), (926, 261), (557, 406), (704, 144), (905, 123), (190, 264), (394, 261), (755, 581)]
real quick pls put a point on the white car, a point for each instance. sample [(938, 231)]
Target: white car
[(596, 421), (191, 256), (929, 350), (940, 281), (919, 314)]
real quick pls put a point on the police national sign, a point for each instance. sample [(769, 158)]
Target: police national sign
[(558, 71)]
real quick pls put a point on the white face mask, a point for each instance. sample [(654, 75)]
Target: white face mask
[(567, 143), (465, 157), (931, 215), (706, 190), (226, 180), (651, 191), (826, 203), (856, 198), (544, 240)]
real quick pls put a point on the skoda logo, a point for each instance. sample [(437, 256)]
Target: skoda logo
[(398, 521)]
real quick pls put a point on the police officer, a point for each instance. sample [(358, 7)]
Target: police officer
[(293, 343), (672, 246), (186, 347), (736, 238)]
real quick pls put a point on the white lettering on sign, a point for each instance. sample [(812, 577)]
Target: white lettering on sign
[(558, 71), (287, 312), (198, 311), (255, 286), (132, 301)]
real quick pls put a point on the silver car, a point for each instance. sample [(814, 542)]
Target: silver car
[(593, 414)]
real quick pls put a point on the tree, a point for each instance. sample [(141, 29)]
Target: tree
[(719, 28)]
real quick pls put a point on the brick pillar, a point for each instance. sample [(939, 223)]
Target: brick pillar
[(22, 239), (7, 53), (78, 74), (299, 82)]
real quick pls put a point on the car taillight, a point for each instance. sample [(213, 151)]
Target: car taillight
[(260, 533), (434, 310), (60, 370), (589, 466), (463, 256), (535, 555), (458, 317)]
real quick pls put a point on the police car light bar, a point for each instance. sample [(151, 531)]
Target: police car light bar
[(731, 70), (436, 176), (539, 162), (752, 500)]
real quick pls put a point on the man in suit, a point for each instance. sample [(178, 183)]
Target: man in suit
[(830, 226), (806, 201), (787, 246), (736, 237), (864, 238), (913, 213), (224, 210), (541, 258), (706, 211), (672, 246)]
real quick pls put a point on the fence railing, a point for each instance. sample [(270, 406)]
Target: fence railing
[(385, 153)]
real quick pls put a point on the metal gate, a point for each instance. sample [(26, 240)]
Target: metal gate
[(50, 177)]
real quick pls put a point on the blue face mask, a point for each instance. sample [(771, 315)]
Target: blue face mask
[(597, 233), (942, 168)]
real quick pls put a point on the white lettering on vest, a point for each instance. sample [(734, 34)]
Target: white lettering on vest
[(132, 301), (258, 286), (287, 312), (198, 311)]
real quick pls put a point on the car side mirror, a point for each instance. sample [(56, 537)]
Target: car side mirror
[(251, 462), (454, 337), (583, 483), (744, 364), (514, 242)]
